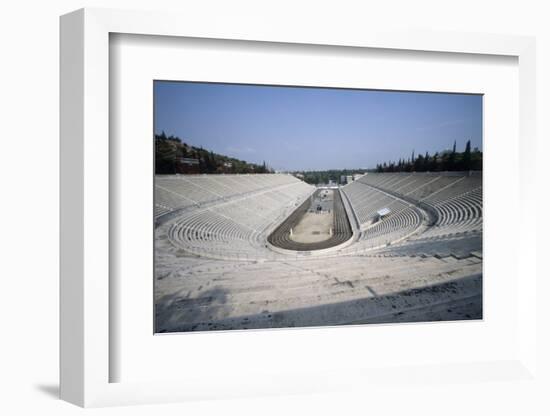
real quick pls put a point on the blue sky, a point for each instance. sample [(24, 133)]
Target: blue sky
[(294, 128)]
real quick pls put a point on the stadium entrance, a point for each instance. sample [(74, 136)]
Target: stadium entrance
[(317, 223)]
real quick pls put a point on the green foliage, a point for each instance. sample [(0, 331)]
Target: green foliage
[(315, 177), (467, 157), (444, 161), (170, 150), (167, 149)]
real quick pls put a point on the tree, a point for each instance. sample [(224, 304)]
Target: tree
[(434, 165), (447, 160), (165, 154), (169, 149), (428, 162), (419, 164), (467, 156)]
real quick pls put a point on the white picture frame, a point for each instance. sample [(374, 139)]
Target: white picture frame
[(85, 217)]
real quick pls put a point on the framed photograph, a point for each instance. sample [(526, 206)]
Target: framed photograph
[(268, 211), (326, 222)]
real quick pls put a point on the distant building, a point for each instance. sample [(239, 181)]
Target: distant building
[(343, 179), (187, 165), (349, 179)]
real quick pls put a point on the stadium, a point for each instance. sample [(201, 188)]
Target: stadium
[(248, 251)]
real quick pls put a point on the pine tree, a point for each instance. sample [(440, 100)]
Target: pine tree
[(419, 163), (433, 163), (467, 158)]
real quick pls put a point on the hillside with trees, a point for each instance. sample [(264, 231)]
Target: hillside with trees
[(449, 160), (172, 155)]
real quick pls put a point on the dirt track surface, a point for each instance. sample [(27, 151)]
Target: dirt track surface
[(341, 228)]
